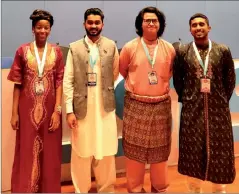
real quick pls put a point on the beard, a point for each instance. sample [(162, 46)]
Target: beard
[(95, 33)]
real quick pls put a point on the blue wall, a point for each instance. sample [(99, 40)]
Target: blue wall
[(119, 20)]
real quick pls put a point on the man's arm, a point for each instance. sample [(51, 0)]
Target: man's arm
[(68, 88), (178, 75), (68, 85), (229, 76), (124, 61), (116, 64)]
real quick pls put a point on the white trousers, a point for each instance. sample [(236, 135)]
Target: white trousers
[(195, 186), (104, 171)]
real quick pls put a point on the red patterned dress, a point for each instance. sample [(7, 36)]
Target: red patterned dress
[(37, 161)]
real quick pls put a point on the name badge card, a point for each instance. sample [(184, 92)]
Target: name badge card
[(92, 79), (39, 87), (205, 85), (152, 78)]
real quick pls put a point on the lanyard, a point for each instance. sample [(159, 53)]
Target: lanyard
[(93, 52), (40, 64), (205, 65), (151, 61)]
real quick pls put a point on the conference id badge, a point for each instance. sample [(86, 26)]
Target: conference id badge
[(92, 79), (39, 87), (205, 85), (152, 78)]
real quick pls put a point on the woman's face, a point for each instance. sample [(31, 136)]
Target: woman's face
[(42, 30)]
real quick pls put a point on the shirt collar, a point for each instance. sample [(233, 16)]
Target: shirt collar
[(89, 41)]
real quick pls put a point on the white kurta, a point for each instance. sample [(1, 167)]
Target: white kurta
[(97, 132)]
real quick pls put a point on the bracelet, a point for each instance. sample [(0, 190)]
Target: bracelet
[(58, 109)]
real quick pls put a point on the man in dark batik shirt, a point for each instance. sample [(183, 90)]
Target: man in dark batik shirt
[(204, 79)]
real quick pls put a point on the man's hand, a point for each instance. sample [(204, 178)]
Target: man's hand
[(71, 121)]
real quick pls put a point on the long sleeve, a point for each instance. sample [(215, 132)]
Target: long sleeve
[(116, 64), (178, 75), (68, 85), (172, 62), (229, 76), (124, 61)]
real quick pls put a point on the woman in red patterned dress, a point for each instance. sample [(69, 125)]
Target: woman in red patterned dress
[(37, 72)]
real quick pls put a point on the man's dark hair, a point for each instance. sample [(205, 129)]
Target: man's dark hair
[(198, 15), (39, 14), (140, 17), (94, 11)]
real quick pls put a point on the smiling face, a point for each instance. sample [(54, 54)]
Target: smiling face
[(93, 25), (41, 30), (150, 24), (199, 28)]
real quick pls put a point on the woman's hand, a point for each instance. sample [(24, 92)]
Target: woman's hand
[(55, 121), (15, 121)]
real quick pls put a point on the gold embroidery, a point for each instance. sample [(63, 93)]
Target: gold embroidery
[(38, 110), (50, 61), (35, 175), (32, 63), (31, 60)]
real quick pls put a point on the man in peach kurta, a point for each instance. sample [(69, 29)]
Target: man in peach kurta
[(146, 65), (94, 133)]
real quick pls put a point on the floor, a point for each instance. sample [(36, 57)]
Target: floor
[(177, 183)]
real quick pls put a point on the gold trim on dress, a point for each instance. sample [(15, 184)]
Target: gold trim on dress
[(35, 175)]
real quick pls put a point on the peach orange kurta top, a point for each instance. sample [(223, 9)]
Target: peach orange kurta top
[(134, 67)]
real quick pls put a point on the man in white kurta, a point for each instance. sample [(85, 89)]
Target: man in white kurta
[(94, 138)]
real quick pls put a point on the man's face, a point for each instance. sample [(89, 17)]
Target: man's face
[(199, 28), (93, 25), (150, 23)]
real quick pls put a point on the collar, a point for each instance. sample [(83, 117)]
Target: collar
[(89, 41)]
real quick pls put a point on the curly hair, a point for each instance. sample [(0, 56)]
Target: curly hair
[(39, 14), (140, 16)]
